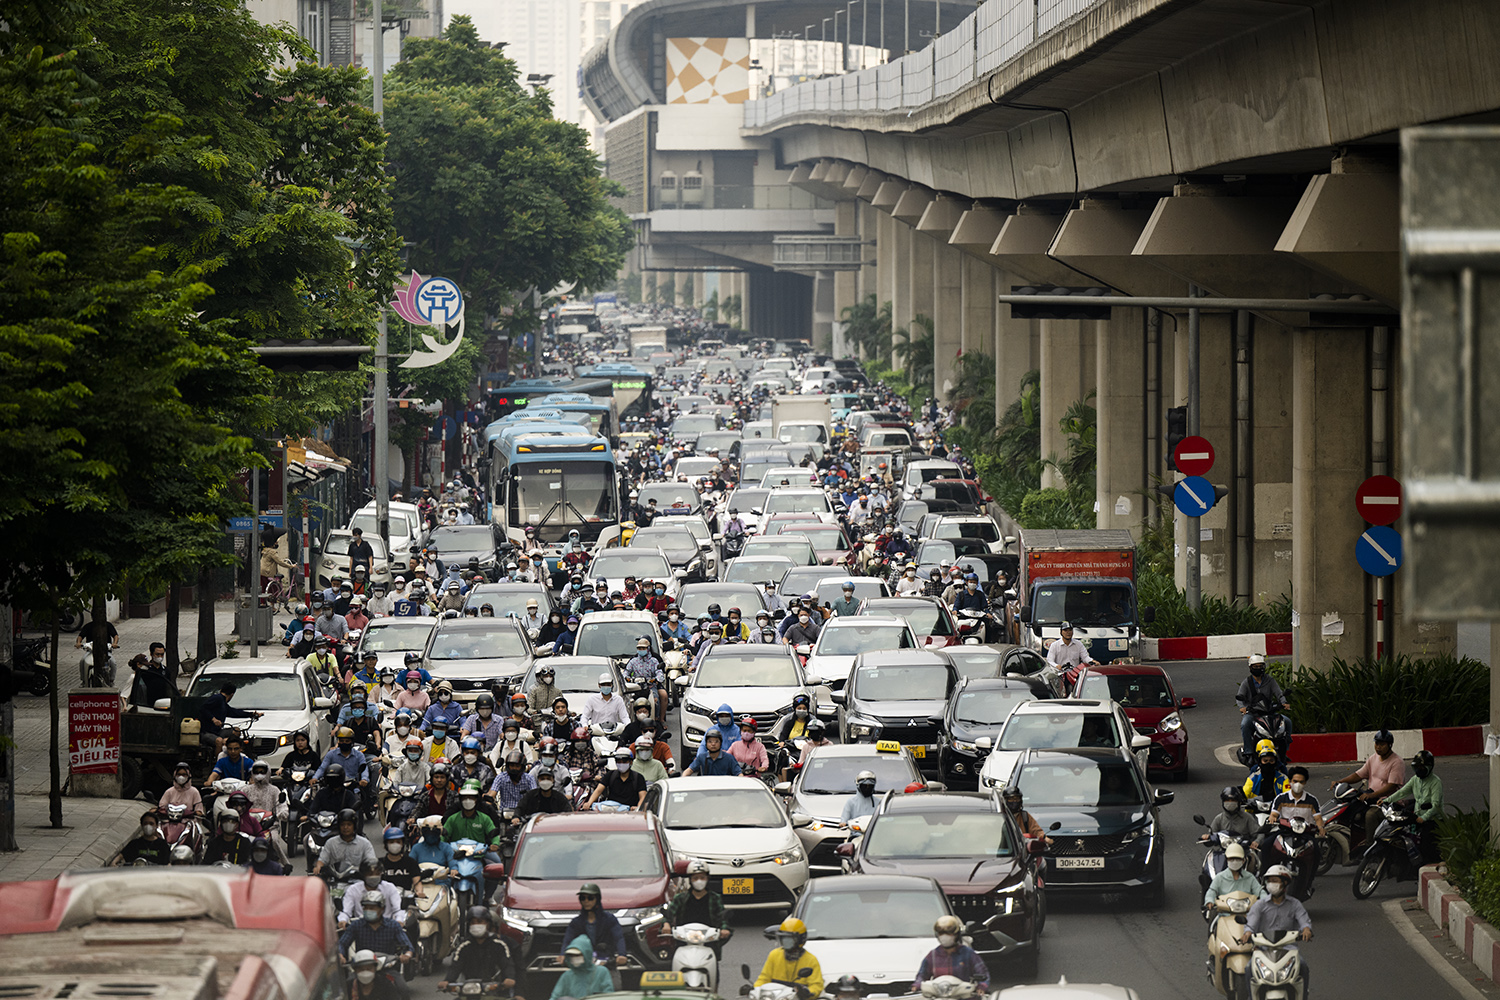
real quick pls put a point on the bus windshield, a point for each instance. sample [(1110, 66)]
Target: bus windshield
[(558, 495)]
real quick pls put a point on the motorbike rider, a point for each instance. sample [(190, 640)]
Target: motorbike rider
[(180, 793), (1258, 690), (261, 861), (600, 929), (697, 905), (788, 957), (356, 767), (654, 598), (228, 844), (443, 709), (551, 629), (373, 877), (509, 785), (369, 983), (380, 604), (148, 845), (334, 793), (349, 850), (431, 849), (374, 933), (472, 823), (1027, 822), (439, 745), (674, 628), (1234, 878), (1426, 791), (546, 797), (483, 956), (645, 763), (563, 645), (646, 670), (233, 764), (862, 802), (560, 724), (618, 788), (749, 751), (397, 865), (1279, 914), (411, 698), (735, 629), (606, 706), (971, 598), (711, 761), (910, 585), (805, 632), (1296, 802), (661, 751), (952, 957), (793, 725), (582, 976), (1232, 817), (817, 736), (1268, 780), (261, 794), (440, 798), (763, 632), (413, 769), (544, 691), (1383, 772), (579, 753), (482, 725), (1065, 654), (847, 605), (472, 765)]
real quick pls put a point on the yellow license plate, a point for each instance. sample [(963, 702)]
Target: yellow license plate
[(917, 751), (739, 886)]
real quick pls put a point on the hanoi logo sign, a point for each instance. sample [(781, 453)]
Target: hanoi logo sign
[(435, 303)]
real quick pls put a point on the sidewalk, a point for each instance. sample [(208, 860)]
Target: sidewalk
[(93, 829)]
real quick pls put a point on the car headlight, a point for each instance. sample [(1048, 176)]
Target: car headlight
[(790, 857), (859, 729), (1131, 836), (519, 919), (965, 746), (695, 709), (640, 913), (1170, 724), (283, 739), (692, 564)]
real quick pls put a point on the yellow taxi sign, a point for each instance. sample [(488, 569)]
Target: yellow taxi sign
[(662, 981), (887, 746)]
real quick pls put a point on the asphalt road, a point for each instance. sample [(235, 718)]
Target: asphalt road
[(1159, 953)]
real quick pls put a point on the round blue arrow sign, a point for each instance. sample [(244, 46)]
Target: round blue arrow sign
[(1379, 551), (1194, 496)]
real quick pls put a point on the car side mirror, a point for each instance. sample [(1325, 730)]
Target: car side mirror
[(165, 704), (844, 850), (1188, 703), (680, 866), (815, 680), (322, 703), (935, 786), (757, 511), (1036, 847), (782, 788), (800, 820), (1025, 614), (1148, 615), (838, 697), (1139, 742), (680, 574), (769, 933), (1163, 796), (984, 743), (1009, 539)]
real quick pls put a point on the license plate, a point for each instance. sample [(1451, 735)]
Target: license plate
[(739, 886), (1118, 645), (917, 751), (1078, 862)]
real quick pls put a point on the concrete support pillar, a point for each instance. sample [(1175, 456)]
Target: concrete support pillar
[(977, 335), (919, 285), (895, 253), (947, 316), (1065, 379), (1017, 348), (1270, 461), (845, 283), (1330, 430), (869, 225), (902, 238), (1120, 348), (823, 311)]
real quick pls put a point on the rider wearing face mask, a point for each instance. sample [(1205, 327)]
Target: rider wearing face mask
[(1232, 818), (180, 793), (149, 846), (1279, 914), (551, 629), (1296, 802), (374, 880), (411, 697), (369, 983), (1260, 688), (1027, 822), (472, 764), (544, 692), (697, 905), (805, 632), (483, 956), (483, 724), (582, 976), (606, 706), (675, 628), (444, 708), (749, 751), (645, 763), (1268, 780), (1234, 877), (441, 744), (413, 768), (793, 725), (546, 796), (952, 957), (373, 933), (229, 844), (910, 585)]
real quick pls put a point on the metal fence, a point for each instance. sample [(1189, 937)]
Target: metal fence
[(997, 32)]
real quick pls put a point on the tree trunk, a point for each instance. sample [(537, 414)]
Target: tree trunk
[(101, 647), (207, 640), (54, 793), (174, 610)]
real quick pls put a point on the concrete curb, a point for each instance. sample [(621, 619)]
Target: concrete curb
[(1479, 941), (1217, 647), (1325, 748)]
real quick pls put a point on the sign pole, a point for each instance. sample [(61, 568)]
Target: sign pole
[(1194, 574), (307, 580), (254, 563), (380, 404)]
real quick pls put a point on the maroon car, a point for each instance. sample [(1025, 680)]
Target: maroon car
[(1146, 693), (623, 853)]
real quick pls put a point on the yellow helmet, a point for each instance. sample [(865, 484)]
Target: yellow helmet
[(793, 926), (1265, 747), (343, 733), (791, 935)]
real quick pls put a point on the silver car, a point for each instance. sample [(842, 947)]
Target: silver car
[(469, 653)]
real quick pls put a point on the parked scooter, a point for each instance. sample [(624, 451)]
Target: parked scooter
[(1228, 961), (695, 958), (1395, 850), (1276, 968), (29, 669)]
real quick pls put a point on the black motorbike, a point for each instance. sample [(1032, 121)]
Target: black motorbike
[(299, 792), (321, 828), (29, 670), (1395, 850), (1269, 724), (1293, 842), (1213, 858)]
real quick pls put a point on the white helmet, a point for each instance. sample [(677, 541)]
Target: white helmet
[(1277, 871)]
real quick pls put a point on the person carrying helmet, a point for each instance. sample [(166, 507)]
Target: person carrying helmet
[(618, 788), (1232, 817), (582, 976), (749, 751), (1383, 772), (1259, 691), (1426, 791), (374, 933), (862, 802), (483, 956), (787, 960), (1268, 780), (369, 982), (698, 905), (603, 937), (349, 850), (1234, 878), (1278, 914), (952, 957), (645, 669), (848, 604)]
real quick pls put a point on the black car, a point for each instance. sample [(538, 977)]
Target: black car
[(967, 843), (1102, 817), (678, 544), (459, 544), (894, 695), (977, 710)]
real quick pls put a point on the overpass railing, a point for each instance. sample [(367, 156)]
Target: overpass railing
[(997, 32), (720, 196)]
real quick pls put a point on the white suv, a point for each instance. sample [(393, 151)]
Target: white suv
[(1059, 725)]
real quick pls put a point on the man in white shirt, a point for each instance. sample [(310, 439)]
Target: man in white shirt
[(1065, 653), (606, 706)]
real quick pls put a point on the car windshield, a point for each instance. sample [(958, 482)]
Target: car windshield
[(851, 640), (822, 536), (474, 644), (746, 500), (694, 423), (602, 854), (463, 539), (805, 579), (938, 835), (828, 591), (1043, 730), (573, 676), (982, 530), (927, 473), (256, 692), (509, 601), (733, 668), (666, 537), (756, 570), (746, 598), (715, 808), (827, 774), (924, 618), (842, 916), (1080, 783), (803, 432), (667, 494), (398, 637), (338, 545), (400, 528), (1084, 603), (609, 638), (991, 706), (910, 683), (643, 565), (796, 503), (935, 550), (1130, 690), (792, 548)]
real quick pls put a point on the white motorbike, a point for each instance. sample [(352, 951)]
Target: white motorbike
[(1276, 968), (695, 958), (605, 739), (88, 674)]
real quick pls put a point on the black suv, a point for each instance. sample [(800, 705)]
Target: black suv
[(972, 847), (1101, 814), (976, 712), (895, 695)]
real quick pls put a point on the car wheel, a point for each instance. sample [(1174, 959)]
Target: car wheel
[(1041, 911)]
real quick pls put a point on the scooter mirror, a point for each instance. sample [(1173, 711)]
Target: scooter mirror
[(1199, 820)]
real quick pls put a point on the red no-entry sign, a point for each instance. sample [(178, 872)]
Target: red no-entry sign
[(1378, 500), (1193, 456)]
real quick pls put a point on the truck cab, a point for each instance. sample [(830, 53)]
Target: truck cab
[(1085, 578)]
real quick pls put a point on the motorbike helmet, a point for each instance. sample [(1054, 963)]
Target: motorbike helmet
[(546, 744), (1012, 797), (1232, 798), (349, 816), (865, 782), (1421, 763), (948, 924), (1265, 748), (472, 743), (790, 935), (589, 889), (441, 767), (580, 735), (510, 724), (1384, 736), (412, 657), (518, 703), (816, 728), (238, 801), (182, 854), (515, 757), (748, 722), (393, 833), (697, 867), (485, 700), (334, 776), (1235, 851), (1278, 871)]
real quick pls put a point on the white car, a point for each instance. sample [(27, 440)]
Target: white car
[(882, 954), (286, 691), (739, 829), (333, 559), (408, 530), (925, 471), (756, 679), (800, 500), (842, 639), (613, 565), (1063, 724), (392, 638)]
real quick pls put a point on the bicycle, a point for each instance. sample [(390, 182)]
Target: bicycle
[(277, 594)]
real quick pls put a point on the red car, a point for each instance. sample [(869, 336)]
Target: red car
[(1146, 693), (623, 853)]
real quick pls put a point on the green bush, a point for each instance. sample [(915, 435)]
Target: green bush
[(1400, 692), (1215, 616), (1464, 841), (1484, 890)]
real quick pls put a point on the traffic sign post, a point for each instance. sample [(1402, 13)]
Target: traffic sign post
[(1378, 500), (1193, 456), (1194, 497), (1378, 550)]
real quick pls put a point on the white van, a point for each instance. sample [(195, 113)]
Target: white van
[(407, 534)]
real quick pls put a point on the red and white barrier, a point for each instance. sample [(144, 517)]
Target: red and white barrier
[(1324, 748), (1479, 941), (1217, 647)]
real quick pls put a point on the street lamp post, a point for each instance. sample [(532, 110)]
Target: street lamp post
[(380, 405)]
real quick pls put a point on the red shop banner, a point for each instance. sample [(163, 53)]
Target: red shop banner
[(93, 732)]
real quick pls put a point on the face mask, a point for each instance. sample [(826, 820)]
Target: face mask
[(670, 618), (643, 755), (947, 940), (346, 747), (1235, 864), (1421, 772), (373, 882), (700, 884), (865, 789), (544, 783), (606, 689), (258, 856), (478, 930), (623, 765), (1297, 787), (439, 735), (413, 755), (445, 697), (484, 713), (412, 685), (229, 825), (1277, 888), (575, 961), (1257, 671), (470, 758), (469, 804), (181, 779), (514, 775), (365, 976), (260, 777), (803, 619), (1231, 807), (356, 713), (801, 713), (659, 591), (580, 746), (371, 916), (643, 716), (430, 836), (148, 829), (395, 848)]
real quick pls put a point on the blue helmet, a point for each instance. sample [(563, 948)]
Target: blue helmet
[(472, 743), (393, 833)]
